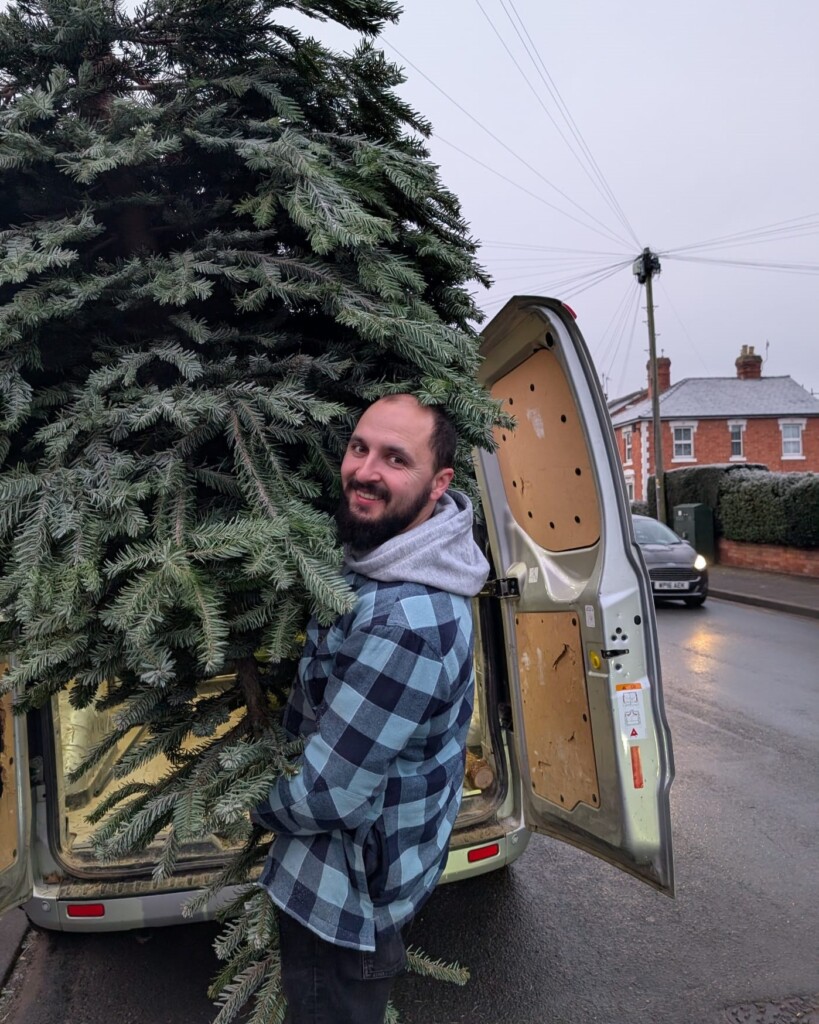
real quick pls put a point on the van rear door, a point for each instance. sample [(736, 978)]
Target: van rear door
[(589, 724), (15, 808)]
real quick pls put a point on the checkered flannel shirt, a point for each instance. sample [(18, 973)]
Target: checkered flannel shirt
[(383, 699)]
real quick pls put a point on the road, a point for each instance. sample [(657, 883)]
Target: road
[(563, 938)]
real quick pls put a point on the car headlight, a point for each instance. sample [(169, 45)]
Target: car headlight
[(700, 563)]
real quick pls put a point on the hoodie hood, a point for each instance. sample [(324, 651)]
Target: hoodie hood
[(439, 553)]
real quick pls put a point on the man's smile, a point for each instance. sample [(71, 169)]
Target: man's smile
[(367, 497)]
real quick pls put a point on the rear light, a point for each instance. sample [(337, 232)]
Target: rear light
[(85, 910), (483, 852)]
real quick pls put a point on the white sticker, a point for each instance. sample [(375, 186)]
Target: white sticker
[(632, 710), (590, 616), (534, 572)]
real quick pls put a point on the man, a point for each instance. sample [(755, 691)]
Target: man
[(383, 699)]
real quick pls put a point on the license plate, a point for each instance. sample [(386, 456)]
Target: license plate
[(671, 585)]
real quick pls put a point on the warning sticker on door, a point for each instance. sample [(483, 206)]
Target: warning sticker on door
[(631, 707)]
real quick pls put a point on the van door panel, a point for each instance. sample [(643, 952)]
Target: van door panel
[(15, 800), (589, 724)]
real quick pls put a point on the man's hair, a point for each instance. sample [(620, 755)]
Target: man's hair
[(444, 438)]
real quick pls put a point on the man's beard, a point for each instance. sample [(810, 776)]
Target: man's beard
[(366, 534)]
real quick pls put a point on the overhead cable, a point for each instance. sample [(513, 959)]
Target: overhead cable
[(522, 188), (605, 230), (600, 184)]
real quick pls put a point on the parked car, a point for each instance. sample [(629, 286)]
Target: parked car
[(674, 567), (569, 736)]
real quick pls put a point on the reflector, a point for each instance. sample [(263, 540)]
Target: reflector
[(85, 910), (483, 852)]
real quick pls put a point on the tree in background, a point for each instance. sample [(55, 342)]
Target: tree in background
[(219, 240)]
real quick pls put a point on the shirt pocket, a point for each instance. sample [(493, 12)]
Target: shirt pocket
[(376, 861)]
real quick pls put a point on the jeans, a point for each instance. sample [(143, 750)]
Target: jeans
[(327, 984)]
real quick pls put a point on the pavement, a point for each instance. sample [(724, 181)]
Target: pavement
[(13, 929), (797, 595)]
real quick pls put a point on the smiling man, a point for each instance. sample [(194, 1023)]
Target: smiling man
[(383, 700)]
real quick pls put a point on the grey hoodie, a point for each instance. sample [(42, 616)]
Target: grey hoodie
[(439, 553)]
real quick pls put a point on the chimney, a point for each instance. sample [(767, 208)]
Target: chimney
[(749, 366), (663, 374)]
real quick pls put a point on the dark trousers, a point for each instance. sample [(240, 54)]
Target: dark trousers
[(327, 984)]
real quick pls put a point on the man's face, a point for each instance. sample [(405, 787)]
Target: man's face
[(389, 484)]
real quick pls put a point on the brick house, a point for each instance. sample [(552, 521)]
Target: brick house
[(705, 420)]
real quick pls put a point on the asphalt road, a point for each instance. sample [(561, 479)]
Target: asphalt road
[(561, 938)]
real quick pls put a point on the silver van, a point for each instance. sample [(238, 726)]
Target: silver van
[(569, 736)]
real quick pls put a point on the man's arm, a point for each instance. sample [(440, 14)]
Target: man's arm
[(385, 683)]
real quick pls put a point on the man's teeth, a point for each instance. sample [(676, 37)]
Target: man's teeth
[(367, 494)]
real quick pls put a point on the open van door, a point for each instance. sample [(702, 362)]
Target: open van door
[(15, 808), (592, 742)]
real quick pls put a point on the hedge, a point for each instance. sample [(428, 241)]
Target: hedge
[(770, 508), (696, 484)]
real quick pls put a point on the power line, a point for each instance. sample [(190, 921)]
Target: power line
[(779, 229), (630, 342), (616, 323), (565, 287), (684, 328), (523, 188), (600, 184), (607, 231), (785, 268)]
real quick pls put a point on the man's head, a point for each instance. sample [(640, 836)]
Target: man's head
[(397, 465)]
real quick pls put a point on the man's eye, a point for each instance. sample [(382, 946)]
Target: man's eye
[(396, 460)]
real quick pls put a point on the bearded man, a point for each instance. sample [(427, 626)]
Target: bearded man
[(383, 701)]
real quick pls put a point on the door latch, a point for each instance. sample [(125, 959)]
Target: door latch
[(614, 652)]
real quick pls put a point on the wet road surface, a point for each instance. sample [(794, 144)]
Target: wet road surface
[(560, 938)]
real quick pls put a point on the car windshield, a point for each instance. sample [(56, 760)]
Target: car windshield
[(649, 531)]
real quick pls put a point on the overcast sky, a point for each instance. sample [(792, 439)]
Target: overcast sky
[(702, 117)]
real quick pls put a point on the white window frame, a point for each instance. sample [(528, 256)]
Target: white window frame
[(683, 425), (800, 425), (740, 426), (628, 446), (630, 488)]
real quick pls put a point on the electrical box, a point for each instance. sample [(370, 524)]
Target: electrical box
[(695, 523)]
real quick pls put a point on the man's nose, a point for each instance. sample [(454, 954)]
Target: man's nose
[(369, 469)]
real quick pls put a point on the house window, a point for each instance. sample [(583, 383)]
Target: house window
[(630, 485), (683, 434), (736, 429), (792, 438), (627, 444)]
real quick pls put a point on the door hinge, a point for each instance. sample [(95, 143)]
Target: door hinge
[(502, 588)]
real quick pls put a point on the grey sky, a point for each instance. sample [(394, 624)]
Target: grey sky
[(702, 116)]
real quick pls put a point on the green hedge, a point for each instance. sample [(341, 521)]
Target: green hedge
[(770, 508), (696, 484)]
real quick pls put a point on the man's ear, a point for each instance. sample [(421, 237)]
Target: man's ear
[(440, 482)]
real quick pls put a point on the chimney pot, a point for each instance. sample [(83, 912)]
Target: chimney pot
[(749, 365)]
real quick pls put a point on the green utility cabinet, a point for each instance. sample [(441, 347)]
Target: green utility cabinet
[(695, 523)]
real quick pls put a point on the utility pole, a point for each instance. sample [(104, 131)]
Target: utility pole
[(644, 268)]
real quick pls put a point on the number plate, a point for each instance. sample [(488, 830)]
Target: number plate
[(671, 585)]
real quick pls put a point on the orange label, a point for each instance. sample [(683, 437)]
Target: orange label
[(636, 767)]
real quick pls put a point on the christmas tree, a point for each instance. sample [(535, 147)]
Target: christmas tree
[(219, 240)]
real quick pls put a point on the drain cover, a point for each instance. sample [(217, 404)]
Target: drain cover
[(796, 1010)]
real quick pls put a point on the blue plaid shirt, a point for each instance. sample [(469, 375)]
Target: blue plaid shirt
[(383, 699)]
